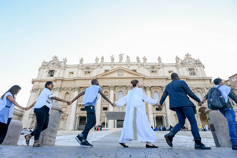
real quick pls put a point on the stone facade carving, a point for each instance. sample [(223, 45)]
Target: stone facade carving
[(153, 77), (120, 58)]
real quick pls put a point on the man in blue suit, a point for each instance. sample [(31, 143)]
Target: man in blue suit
[(180, 103)]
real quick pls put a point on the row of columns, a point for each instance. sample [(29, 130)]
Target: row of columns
[(72, 121)]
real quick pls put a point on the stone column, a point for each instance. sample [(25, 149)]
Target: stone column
[(155, 122), (105, 121), (98, 111), (32, 99), (13, 133), (48, 136), (164, 120), (111, 108), (219, 128), (167, 104), (150, 112), (76, 123), (71, 122)]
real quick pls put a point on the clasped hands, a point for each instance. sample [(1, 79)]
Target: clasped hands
[(159, 106)]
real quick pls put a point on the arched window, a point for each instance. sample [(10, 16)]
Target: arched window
[(156, 96), (66, 97), (120, 94), (199, 95), (106, 94)]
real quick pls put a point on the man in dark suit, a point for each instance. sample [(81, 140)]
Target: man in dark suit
[(180, 103)]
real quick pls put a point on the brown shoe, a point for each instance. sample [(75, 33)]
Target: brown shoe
[(27, 137), (37, 144)]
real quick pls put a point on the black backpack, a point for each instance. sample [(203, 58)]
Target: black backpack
[(215, 99)]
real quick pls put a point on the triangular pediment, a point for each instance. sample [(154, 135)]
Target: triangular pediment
[(120, 72)]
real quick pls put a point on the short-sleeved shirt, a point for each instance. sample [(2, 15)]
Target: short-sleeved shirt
[(44, 99), (5, 102), (91, 95)]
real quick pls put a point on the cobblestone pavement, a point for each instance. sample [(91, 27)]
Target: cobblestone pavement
[(106, 146)]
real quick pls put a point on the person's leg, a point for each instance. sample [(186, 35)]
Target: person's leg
[(177, 127), (91, 121), (230, 115), (181, 118), (3, 130), (189, 113), (46, 123), (40, 119)]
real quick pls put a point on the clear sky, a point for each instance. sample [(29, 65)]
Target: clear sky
[(33, 31)]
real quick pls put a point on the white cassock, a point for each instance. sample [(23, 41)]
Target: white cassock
[(136, 125)]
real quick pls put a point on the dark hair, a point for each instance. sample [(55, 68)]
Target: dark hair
[(217, 81), (13, 90), (134, 83), (94, 81), (174, 76), (48, 83)]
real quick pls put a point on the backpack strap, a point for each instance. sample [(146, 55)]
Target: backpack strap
[(218, 86)]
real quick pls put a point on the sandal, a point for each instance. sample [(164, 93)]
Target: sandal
[(37, 144), (27, 137)]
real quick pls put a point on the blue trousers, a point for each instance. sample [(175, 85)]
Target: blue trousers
[(183, 113), (230, 115)]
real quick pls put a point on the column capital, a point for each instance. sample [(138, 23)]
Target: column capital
[(148, 88), (111, 87), (74, 89), (57, 89), (34, 90)]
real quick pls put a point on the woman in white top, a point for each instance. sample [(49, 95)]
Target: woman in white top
[(7, 104), (136, 125), (42, 108)]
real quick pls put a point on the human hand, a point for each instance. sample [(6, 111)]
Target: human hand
[(69, 102), (200, 103), (113, 104), (159, 106)]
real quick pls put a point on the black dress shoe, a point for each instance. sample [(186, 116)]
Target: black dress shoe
[(169, 138), (234, 147), (124, 145), (200, 146), (153, 146)]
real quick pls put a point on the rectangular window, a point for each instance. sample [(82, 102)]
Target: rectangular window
[(192, 72), (134, 70), (51, 73), (71, 73), (87, 72), (83, 109), (105, 108), (157, 109), (153, 72), (170, 72), (106, 70)]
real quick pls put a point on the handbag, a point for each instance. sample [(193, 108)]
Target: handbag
[(4, 113)]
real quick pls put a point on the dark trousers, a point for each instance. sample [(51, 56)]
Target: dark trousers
[(183, 113), (42, 118), (3, 129), (91, 120)]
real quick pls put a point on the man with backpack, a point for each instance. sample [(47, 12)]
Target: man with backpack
[(219, 99), (184, 108)]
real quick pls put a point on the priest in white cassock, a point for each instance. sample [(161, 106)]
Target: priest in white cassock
[(136, 125)]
